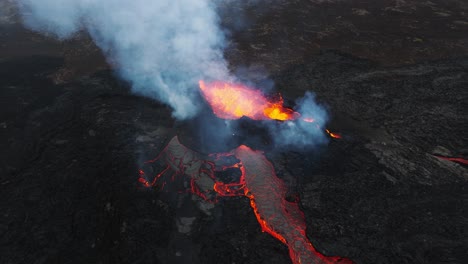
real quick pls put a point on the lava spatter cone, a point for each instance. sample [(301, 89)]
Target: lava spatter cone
[(258, 182)]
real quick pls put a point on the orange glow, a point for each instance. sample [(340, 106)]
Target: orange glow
[(454, 159), (281, 219), (233, 101), (258, 182), (333, 135)]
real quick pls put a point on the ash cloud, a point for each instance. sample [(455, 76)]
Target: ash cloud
[(161, 47)]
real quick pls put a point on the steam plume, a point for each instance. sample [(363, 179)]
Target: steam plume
[(162, 47), (299, 133)]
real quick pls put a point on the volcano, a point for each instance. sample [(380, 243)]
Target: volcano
[(393, 189)]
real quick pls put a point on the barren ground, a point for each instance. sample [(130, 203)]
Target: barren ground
[(393, 75)]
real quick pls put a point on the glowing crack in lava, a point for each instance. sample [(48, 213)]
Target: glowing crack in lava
[(183, 161), (459, 160), (233, 101), (258, 182), (332, 134)]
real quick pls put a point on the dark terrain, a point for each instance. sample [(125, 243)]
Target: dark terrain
[(393, 75)]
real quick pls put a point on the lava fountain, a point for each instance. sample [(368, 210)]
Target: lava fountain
[(233, 101)]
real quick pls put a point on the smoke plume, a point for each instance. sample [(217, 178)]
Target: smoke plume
[(300, 133), (161, 47)]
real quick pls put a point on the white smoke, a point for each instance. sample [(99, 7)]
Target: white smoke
[(162, 47)]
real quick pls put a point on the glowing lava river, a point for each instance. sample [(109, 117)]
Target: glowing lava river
[(258, 182)]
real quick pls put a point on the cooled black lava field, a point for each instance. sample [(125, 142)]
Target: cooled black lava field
[(393, 76)]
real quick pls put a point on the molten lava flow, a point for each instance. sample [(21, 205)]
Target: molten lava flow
[(454, 159), (333, 135), (258, 182), (278, 217), (233, 101)]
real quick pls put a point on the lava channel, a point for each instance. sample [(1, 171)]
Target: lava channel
[(278, 217), (258, 182)]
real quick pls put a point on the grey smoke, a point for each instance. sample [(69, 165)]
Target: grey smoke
[(299, 133), (162, 47)]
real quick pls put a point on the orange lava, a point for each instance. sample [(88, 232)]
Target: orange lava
[(233, 101), (281, 219), (333, 135), (258, 182)]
